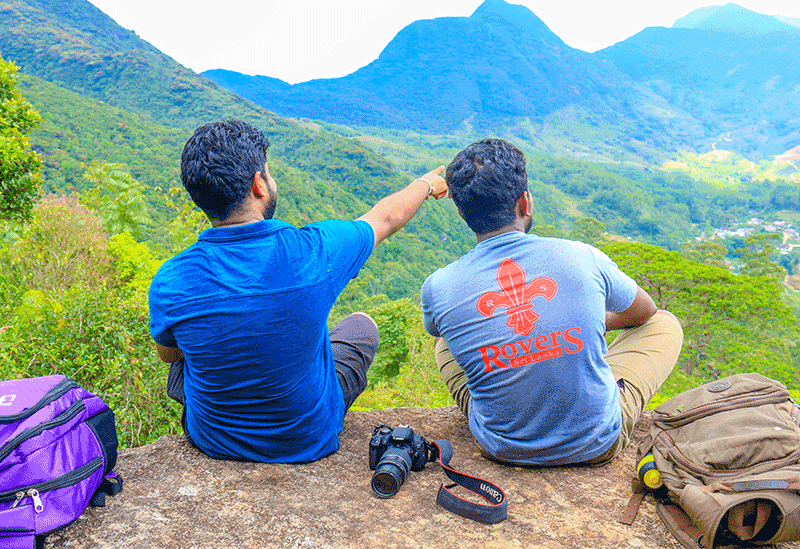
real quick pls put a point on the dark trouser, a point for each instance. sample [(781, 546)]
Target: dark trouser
[(354, 342)]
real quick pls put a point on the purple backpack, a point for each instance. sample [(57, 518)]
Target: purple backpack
[(58, 444)]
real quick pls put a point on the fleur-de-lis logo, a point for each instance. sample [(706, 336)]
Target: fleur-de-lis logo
[(516, 296)]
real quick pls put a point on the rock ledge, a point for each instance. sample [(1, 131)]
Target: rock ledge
[(175, 496)]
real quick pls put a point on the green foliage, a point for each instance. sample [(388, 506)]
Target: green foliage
[(70, 309), (116, 197), (757, 251), (588, 230), (135, 264), (19, 165), (706, 251), (395, 321), (186, 220), (404, 372), (726, 168), (732, 323), (61, 248)]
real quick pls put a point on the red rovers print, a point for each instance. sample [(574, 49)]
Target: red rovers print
[(516, 296)]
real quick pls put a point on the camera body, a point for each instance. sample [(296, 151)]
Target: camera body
[(404, 439), (392, 453)]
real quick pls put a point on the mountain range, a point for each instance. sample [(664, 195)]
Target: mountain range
[(107, 95), (720, 74)]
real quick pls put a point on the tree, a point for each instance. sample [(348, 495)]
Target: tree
[(757, 251), (19, 165), (731, 323), (186, 222), (706, 251), (589, 230), (63, 246), (116, 197)]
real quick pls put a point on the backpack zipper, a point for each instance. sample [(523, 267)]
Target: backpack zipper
[(55, 393), (74, 409), (35, 490), (724, 405), (683, 461)]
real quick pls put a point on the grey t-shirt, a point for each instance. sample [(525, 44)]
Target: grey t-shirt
[(524, 316)]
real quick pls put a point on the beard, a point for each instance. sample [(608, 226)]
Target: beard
[(269, 207), (528, 225)]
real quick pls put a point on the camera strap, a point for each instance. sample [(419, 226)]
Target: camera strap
[(493, 511)]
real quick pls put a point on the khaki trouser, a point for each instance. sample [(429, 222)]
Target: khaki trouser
[(641, 358)]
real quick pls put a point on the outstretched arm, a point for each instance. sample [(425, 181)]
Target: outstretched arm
[(390, 214), (640, 311)]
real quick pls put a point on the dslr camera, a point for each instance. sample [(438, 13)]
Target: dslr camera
[(392, 453)]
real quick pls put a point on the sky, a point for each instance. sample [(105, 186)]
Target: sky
[(299, 40)]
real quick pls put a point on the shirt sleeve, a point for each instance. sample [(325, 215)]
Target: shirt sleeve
[(348, 245), (426, 301), (620, 288), (159, 330)]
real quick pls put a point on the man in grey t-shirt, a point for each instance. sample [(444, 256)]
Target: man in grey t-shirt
[(520, 322)]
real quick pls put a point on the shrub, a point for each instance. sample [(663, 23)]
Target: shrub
[(62, 247), (67, 311)]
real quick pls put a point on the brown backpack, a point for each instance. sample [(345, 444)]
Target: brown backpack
[(728, 455)]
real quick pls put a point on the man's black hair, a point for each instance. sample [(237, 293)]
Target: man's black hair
[(218, 164), (486, 179)]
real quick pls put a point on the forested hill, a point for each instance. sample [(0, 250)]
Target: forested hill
[(76, 46)]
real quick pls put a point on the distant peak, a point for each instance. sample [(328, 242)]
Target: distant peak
[(497, 7), (731, 18), (518, 16), (694, 17)]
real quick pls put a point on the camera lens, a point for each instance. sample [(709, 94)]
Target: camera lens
[(391, 471)]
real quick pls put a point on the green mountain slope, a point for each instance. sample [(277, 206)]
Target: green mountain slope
[(734, 69), (76, 46), (77, 130), (501, 70)]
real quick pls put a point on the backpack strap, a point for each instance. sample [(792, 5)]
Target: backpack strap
[(791, 484), (681, 526), (111, 485), (20, 540), (638, 490)]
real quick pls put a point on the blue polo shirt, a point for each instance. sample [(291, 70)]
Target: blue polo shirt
[(248, 306)]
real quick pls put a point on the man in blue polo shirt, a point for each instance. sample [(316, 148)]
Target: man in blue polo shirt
[(520, 323), (241, 314)]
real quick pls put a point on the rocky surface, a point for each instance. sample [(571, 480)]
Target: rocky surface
[(175, 496)]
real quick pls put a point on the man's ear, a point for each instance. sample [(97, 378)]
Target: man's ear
[(259, 185), (525, 204)]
